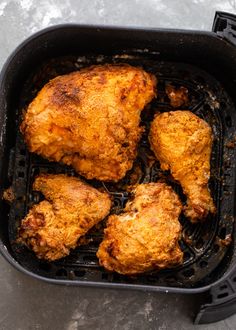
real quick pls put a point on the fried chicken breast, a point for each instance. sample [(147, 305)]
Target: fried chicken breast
[(144, 237), (72, 207), (90, 119), (182, 142)]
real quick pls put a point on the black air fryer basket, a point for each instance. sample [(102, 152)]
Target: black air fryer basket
[(204, 63)]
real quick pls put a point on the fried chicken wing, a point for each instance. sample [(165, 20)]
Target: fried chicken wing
[(182, 142), (90, 119), (72, 207), (144, 237)]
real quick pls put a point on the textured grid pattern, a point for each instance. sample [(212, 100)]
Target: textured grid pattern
[(204, 245)]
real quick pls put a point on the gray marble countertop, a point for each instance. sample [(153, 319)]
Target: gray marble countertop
[(29, 304)]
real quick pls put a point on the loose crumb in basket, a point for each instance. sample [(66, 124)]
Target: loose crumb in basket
[(227, 241), (150, 159), (8, 195), (231, 143), (84, 240), (134, 178), (187, 239), (178, 96), (212, 100), (126, 56)]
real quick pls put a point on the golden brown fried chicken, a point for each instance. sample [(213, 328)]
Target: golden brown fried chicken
[(90, 119), (144, 237), (182, 142), (72, 207), (177, 96)]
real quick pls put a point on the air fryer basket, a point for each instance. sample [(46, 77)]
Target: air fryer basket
[(203, 63), (204, 245)]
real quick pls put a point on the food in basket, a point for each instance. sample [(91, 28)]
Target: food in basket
[(90, 119), (182, 142), (145, 236), (71, 207), (178, 96)]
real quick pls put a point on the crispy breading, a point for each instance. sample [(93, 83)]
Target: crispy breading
[(182, 142), (72, 207), (177, 96), (90, 119), (145, 237)]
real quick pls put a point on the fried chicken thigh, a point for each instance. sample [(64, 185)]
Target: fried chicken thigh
[(144, 237), (72, 207), (182, 142), (90, 119)]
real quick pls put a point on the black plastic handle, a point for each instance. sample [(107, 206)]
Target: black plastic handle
[(222, 305), (210, 313), (224, 25)]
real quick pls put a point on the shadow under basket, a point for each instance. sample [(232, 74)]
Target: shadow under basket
[(204, 63)]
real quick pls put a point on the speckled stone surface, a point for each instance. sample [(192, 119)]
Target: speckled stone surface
[(29, 304)]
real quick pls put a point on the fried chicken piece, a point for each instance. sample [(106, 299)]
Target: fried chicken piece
[(90, 119), (178, 96), (182, 142), (72, 207), (144, 237)]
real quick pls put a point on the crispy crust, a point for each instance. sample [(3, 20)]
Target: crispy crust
[(182, 142), (72, 207), (90, 119), (144, 237)]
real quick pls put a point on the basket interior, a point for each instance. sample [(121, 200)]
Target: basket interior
[(206, 246)]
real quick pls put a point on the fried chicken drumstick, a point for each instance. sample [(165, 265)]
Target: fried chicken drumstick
[(72, 207), (182, 142), (90, 119), (144, 237)]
